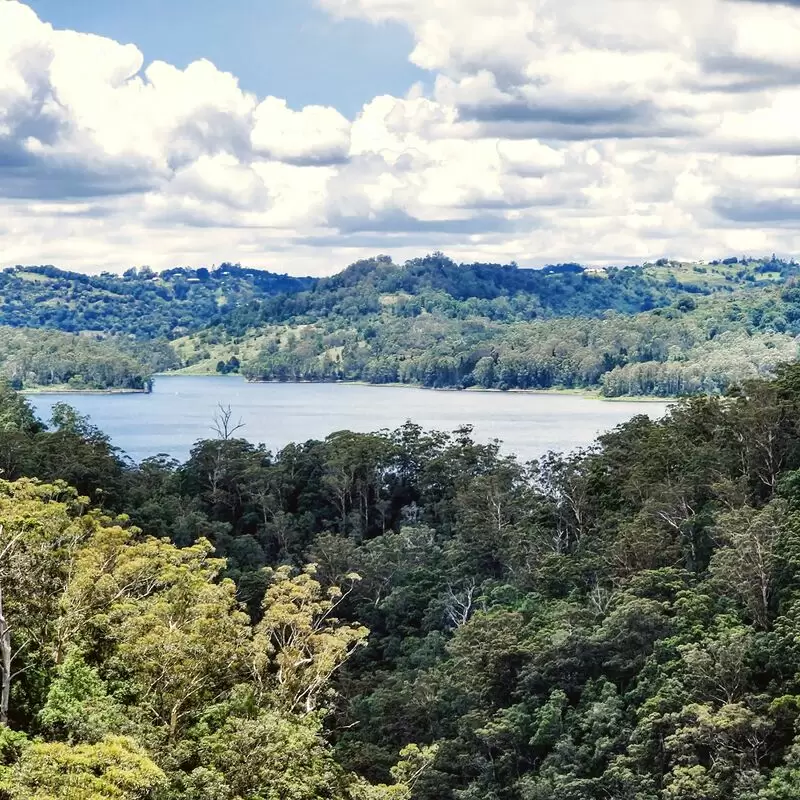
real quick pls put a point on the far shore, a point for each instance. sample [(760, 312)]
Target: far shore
[(588, 394), (70, 390)]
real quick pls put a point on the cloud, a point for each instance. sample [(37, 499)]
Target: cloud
[(759, 211), (790, 3), (313, 136), (591, 130), (398, 221), (81, 115)]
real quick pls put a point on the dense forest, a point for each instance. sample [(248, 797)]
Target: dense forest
[(679, 350), (152, 305), (665, 328), (405, 614), (31, 358), (634, 331), (140, 303), (120, 324)]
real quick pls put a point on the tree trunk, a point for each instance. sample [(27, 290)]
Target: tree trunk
[(173, 721), (5, 664)]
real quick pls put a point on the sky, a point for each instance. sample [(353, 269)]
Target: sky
[(285, 48), (302, 135)]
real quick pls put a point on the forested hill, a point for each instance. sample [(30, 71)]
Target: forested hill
[(406, 615), (152, 305), (436, 324), (664, 328), (437, 285), (140, 303)]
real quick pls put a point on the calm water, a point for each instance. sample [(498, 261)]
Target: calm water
[(180, 411)]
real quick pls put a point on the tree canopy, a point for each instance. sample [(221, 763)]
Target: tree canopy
[(665, 328), (406, 614)]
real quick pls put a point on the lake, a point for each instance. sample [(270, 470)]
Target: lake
[(181, 409)]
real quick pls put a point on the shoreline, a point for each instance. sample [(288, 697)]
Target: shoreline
[(68, 390), (588, 394)]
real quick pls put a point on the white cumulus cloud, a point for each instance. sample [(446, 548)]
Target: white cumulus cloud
[(591, 130)]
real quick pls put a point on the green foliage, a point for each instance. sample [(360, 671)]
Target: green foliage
[(298, 643), (665, 329), (134, 667), (31, 359), (78, 707), (115, 768), (139, 303), (648, 353), (274, 756), (584, 339), (619, 622)]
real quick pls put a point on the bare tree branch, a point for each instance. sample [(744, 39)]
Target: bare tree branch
[(223, 424)]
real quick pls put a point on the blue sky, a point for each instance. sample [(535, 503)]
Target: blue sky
[(285, 48)]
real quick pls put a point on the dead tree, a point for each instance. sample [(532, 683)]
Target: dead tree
[(223, 424)]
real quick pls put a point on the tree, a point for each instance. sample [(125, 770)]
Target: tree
[(78, 706), (274, 754), (115, 768), (748, 558), (181, 638), (38, 541), (299, 643), (223, 425)]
